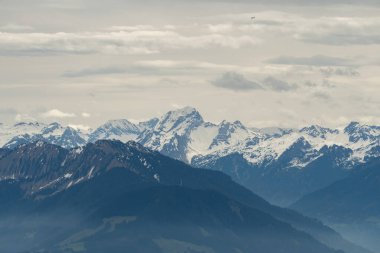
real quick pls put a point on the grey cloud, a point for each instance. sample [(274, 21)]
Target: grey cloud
[(153, 68), (321, 95), (15, 28), (348, 38), (341, 31), (317, 60), (7, 114), (278, 85), (139, 42), (235, 81), (95, 72), (329, 71), (8, 111)]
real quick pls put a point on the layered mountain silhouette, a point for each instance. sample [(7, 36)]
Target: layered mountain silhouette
[(281, 165), (351, 205), (118, 197)]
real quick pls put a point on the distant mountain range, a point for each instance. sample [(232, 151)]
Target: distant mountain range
[(110, 196), (281, 165)]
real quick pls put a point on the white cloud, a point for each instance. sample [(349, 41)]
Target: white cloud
[(23, 117), (15, 28), (116, 42), (329, 30), (86, 115), (55, 113)]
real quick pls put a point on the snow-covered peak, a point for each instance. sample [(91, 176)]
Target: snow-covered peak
[(28, 124), (9, 132), (358, 132), (179, 120), (51, 128), (121, 129), (121, 125), (232, 125), (183, 112), (229, 134), (273, 131), (318, 131), (147, 125)]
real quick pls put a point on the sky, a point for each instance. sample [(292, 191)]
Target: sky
[(83, 62)]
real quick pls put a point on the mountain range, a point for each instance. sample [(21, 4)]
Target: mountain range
[(281, 165), (350, 205), (118, 197)]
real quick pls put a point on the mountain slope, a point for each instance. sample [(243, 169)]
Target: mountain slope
[(155, 219), (24, 133), (281, 165), (351, 205), (115, 129), (75, 182)]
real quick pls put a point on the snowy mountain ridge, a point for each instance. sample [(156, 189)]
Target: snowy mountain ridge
[(183, 134)]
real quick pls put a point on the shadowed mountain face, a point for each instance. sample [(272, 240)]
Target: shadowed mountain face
[(155, 218), (123, 197), (351, 205)]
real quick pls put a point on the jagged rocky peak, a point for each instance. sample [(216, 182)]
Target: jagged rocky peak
[(70, 138), (318, 131), (275, 132), (149, 124), (51, 128), (353, 126), (31, 123), (107, 145), (227, 128), (120, 126), (301, 143), (116, 129), (115, 146), (232, 125), (229, 133), (39, 145), (32, 160), (334, 149), (186, 117), (357, 132)]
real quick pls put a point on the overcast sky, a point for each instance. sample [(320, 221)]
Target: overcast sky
[(87, 61)]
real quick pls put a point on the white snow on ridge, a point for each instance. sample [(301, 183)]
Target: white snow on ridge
[(201, 139), (7, 132), (185, 131)]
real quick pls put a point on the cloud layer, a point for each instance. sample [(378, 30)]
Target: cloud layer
[(235, 81), (55, 113), (298, 62), (115, 42)]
